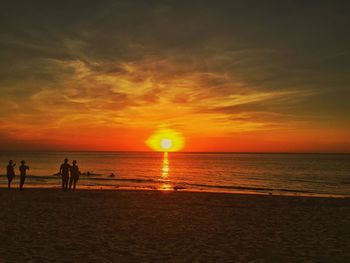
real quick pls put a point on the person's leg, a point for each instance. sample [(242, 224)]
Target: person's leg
[(70, 182), (75, 183), (9, 182), (23, 178), (62, 182), (66, 183)]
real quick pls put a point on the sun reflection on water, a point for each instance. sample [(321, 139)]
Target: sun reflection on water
[(165, 166), (165, 174)]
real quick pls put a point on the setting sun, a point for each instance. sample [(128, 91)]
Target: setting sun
[(166, 140), (166, 144)]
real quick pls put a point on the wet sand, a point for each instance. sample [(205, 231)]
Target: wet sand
[(46, 225)]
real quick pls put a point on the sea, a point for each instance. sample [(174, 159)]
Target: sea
[(260, 173)]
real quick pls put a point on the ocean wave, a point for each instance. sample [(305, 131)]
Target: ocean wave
[(247, 188), (157, 184)]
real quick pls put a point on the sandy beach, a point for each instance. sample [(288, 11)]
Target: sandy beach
[(46, 225)]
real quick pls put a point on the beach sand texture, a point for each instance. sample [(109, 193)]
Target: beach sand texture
[(47, 225)]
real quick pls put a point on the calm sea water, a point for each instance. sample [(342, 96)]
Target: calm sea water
[(219, 172)]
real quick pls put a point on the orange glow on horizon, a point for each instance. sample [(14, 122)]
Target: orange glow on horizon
[(211, 122)]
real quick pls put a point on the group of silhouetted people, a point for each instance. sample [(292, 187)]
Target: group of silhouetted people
[(69, 174), (10, 172)]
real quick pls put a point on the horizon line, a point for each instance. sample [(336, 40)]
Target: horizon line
[(187, 152)]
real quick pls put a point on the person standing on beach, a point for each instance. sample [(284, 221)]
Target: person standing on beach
[(74, 175), (23, 173), (64, 172), (10, 172)]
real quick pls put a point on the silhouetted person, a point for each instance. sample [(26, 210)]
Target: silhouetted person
[(74, 175), (10, 172), (23, 173), (64, 171)]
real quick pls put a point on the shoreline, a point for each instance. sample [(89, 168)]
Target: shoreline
[(171, 189)]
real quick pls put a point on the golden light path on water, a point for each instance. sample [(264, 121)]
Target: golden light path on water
[(165, 173)]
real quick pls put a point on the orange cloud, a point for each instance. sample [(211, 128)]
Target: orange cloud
[(97, 108)]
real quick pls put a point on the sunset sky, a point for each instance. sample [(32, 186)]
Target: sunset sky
[(270, 76)]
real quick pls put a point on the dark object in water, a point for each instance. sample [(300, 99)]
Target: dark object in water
[(90, 173), (112, 175), (178, 188)]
